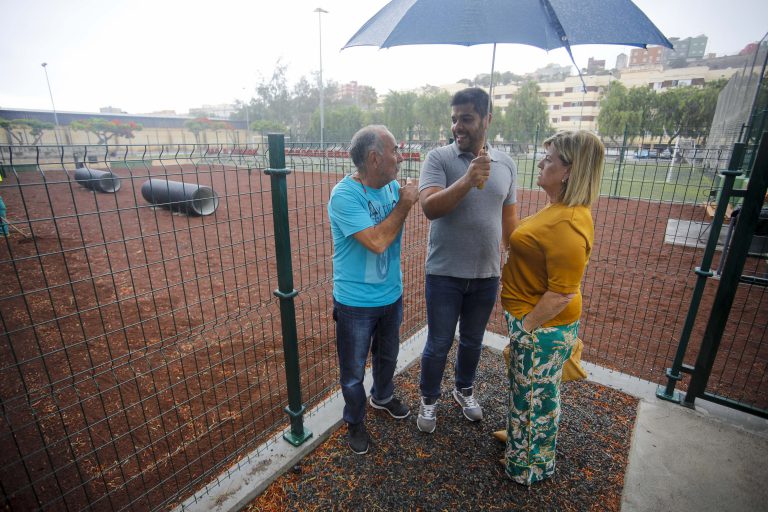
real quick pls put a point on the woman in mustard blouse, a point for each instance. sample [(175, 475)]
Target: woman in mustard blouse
[(548, 253)]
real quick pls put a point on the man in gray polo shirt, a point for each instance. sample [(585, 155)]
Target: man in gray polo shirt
[(468, 190)]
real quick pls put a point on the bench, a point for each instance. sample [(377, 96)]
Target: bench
[(711, 206)]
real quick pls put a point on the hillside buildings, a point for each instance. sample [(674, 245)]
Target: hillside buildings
[(573, 105)]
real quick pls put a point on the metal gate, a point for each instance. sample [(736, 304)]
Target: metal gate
[(728, 354)]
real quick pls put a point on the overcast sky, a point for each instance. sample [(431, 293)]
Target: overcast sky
[(148, 55)]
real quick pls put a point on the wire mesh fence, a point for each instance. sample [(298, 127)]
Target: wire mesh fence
[(652, 222), (141, 352), (740, 112)]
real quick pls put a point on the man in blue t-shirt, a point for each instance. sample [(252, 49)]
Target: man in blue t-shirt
[(367, 211)]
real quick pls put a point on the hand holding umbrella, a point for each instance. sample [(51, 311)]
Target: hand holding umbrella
[(483, 162)]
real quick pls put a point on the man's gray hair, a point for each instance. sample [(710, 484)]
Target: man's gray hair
[(368, 138)]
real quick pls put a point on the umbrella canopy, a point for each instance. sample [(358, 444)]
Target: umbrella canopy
[(546, 24)]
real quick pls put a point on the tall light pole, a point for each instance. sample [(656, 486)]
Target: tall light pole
[(247, 120), (320, 11), (55, 117)]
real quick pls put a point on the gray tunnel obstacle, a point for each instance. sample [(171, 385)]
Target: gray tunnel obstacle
[(99, 181), (188, 198)]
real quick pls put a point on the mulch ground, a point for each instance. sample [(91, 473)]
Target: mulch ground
[(457, 467)]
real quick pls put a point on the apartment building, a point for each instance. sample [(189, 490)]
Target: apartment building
[(659, 78), (645, 56), (683, 50), (569, 105), (621, 61), (572, 105)]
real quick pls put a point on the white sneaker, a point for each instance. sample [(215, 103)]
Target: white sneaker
[(470, 407), (427, 420)]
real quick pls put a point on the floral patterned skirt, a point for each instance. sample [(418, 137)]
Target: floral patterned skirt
[(535, 372)]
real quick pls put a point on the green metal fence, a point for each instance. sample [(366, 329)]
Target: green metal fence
[(141, 345), (747, 236)]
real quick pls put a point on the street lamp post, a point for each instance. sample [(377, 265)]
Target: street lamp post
[(247, 120), (320, 11), (55, 117)]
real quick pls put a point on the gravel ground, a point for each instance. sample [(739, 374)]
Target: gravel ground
[(457, 467)]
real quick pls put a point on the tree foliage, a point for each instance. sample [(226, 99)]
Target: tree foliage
[(687, 111), (525, 116), (266, 126), (367, 98), (17, 128), (433, 113), (272, 97), (400, 113), (682, 111), (499, 78), (341, 123), (305, 100), (633, 110), (105, 129), (202, 124), (294, 109)]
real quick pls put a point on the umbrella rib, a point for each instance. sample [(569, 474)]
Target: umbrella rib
[(550, 11), (490, 87)]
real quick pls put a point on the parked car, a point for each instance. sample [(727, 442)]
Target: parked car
[(646, 153)]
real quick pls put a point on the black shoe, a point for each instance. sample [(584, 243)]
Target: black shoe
[(357, 438), (394, 407)]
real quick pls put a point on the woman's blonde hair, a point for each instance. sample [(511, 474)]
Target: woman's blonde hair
[(584, 153)]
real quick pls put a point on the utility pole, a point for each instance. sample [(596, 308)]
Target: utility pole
[(55, 116), (247, 120), (320, 11)]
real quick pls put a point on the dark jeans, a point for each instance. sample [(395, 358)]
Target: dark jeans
[(448, 300), (358, 330)]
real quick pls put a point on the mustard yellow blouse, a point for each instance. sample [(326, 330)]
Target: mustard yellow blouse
[(548, 251)]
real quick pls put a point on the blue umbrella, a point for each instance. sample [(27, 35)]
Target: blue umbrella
[(546, 24)]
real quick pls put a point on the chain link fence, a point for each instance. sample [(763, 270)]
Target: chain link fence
[(740, 112)]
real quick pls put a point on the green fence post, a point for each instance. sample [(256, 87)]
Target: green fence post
[(285, 292), (703, 273)]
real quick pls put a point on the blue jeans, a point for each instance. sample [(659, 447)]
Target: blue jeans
[(358, 330), (448, 300)]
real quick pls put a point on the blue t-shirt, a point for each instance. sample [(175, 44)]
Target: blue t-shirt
[(362, 278)]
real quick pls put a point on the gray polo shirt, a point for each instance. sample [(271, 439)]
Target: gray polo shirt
[(466, 242)]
